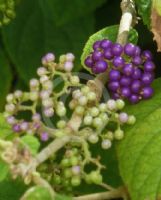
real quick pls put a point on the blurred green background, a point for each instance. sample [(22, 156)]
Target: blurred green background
[(58, 26)]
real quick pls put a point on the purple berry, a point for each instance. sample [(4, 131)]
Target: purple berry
[(117, 49), (97, 55), (137, 51), (136, 86), (89, 62), (114, 86), (128, 69), (137, 60), (134, 98), (147, 92), (137, 73), (108, 54), (130, 49), (114, 75), (96, 45), (125, 81), (105, 44), (101, 66), (147, 78), (118, 61), (44, 136), (147, 55), (16, 128), (125, 92), (149, 66)]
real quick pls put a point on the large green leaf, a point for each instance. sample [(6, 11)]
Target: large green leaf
[(37, 193), (106, 33), (64, 12), (139, 152), (5, 129), (5, 78), (34, 33), (62, 197), (144, 10), (31, 142)]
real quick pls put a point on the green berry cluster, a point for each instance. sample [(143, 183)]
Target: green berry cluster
[(7, 11)]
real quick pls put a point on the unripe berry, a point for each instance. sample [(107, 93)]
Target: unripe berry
[(70, 57), (74, 160), (59, 133), (34, 96), (74, 80), (94, 111), (18, 93), (11, 120), (10, 98), (93, 138), (34, 83), (106, 144), (120, 104), (96, 177), (10, 108), (76, 94), (73, 104), (56, 179), (44, 94), (104, 117), (68, 66), (97, 122), (82, 100), (36, 117), (88, 120), (79, 110), (85, 90), (49, 112), (24, 126), (48, 85), (103, 107), (76, 170), (48, 102), (131, 120), (43, 79), (61, 124), (67, 173), (123, 117), (65, 162), (41, 71), (119, 134), (75, 181), (109, 135), (91, 96), (111, 104)]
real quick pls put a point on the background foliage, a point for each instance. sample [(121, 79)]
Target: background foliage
[(65, 26)]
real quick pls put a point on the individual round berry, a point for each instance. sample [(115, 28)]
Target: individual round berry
[(134, 98), (137, 51), (11, 120), (79, 110), (95, 177), (44, 94), (131, 120), (10, 98), (88, 120), (74, 80), (125, 92), (93, 138), (68, 66), (149, 66), (36, 117), (61, 124), (16, 128), (137, 60), (96, 45), (75, 181), (94, 111), (108, 54), (24, 126), (101, 66), (117, 49), (85, 90), (109, 135), (125, 81), (83, 100), (47, 102), (44, 136), (18, 93), (104, 117), (111, 104), (129, 49), (76, 170), (61, 111), (97, 55), (105, 44), (114, 75), (67, 173), (41, 71), (34, 83), (114, 86), (91, 96), (89, 62), (102, 107), (128, 69), (147, 92), (120, 104), (147, 78), (136, 86), (118, 61), (77, 94), (119, 134), (70, 57), (106, 144), (123, 117), (97, 122), (147, 55), (137, 73), (10, 108), (43, 79), (48, 112)]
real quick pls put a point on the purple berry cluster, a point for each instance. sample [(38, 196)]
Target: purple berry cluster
[(131, 71)]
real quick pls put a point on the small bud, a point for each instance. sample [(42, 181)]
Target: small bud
[(44, 94), (34, 96), (34, 83), (106, 144), (93, 138), (131, 120), (48, 102), (82, 100), (16, 128), (85, 90), (120, 104), (68, 66), (61, 124), (76, 170), (94, 111), (18, 93), (24, 126), (88, 120), (97, 122), (119, 134), (48, 112), (43, 79), (10, 108), (48, 85), (10, 98), (103, 107), (91, 96), (111, 104), (11, 120), (36, 117), (76, 94), (123, 117), (70, 57), (74, 80), (41, 71), (49, 57), (79, 110)]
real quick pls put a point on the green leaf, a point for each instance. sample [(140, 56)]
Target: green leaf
[(144, 10), (4, 170), (35, 33), (139, 152), (5, 129), (62, 197), (106, 33), (31, 142), (11, 189), (64, 12), (157, 6), (5, 83), (37, 193)]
